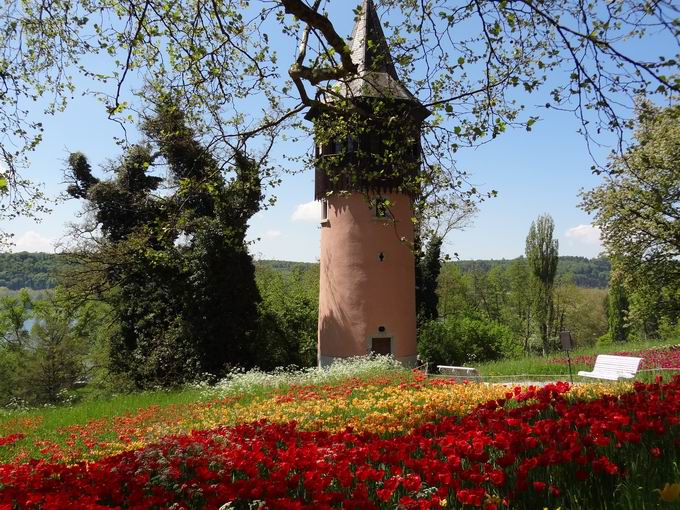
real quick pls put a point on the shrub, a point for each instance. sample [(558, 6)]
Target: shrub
[(288, 315), (668, 330), (605, 339), (459, 340)]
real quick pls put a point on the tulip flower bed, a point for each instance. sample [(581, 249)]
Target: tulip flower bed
[(390, 404), (387, 405), (522, 448)]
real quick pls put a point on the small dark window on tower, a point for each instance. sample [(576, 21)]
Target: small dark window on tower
[(381, 257)]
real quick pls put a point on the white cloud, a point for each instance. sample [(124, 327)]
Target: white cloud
[(273, 233), (33, 241), (308, 213), (584, 234)]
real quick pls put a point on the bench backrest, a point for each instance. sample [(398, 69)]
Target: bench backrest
[(609, 363)]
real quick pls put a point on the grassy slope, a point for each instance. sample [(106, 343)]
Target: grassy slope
[(51, 418), (80, 413), (48, 423)]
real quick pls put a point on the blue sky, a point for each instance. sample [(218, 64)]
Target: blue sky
[(534, 173)]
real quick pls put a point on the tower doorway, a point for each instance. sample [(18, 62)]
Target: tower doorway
[(382, 346)]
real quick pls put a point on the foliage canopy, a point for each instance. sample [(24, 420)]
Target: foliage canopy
[(235, 68), (638, 211)]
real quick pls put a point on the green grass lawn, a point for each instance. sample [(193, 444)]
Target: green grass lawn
[(539, 367), (83, 412)]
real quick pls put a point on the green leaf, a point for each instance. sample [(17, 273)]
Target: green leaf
[(4, 185)]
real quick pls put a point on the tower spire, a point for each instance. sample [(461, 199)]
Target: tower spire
[(376, 74), (369, 45)]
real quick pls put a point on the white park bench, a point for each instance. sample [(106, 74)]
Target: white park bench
[(613, 368), (460, 373)]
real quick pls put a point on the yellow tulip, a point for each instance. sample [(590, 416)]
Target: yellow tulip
[(670, 492)]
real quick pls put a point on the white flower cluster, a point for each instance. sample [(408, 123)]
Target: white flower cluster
[(241, 381)]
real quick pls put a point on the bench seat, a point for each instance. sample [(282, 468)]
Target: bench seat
[(613, 368), (459, 372)]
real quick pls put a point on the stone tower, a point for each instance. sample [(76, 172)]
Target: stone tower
[(367, 161)]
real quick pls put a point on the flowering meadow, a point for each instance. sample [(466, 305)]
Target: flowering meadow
[(387, 439)]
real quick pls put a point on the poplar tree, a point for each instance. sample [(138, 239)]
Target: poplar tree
[(428, 267), (542, 256)]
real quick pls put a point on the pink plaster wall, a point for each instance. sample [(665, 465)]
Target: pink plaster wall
[(358, 292)]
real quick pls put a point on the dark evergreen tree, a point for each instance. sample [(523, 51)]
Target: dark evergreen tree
[(428, 267)]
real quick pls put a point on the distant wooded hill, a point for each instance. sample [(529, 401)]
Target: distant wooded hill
[(590, 273), (36, 270), (584, 272), (28, 270)]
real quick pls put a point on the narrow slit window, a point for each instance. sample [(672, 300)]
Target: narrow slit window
[(324, 210)]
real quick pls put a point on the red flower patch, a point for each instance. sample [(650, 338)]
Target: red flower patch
[(511, 453)]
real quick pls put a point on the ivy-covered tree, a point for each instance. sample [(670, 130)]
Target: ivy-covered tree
[(542, 256), (173, 265)]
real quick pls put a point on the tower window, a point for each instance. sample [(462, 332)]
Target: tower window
[(324, 210), (381, 208)]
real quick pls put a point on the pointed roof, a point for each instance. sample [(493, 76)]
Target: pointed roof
[(376, 76), (373, 56)]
